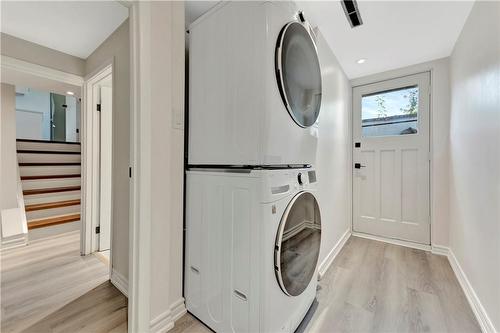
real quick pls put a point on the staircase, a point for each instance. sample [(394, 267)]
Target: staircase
[(51, 183)]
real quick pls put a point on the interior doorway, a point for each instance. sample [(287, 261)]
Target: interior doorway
[(99, 157), (391, 195)]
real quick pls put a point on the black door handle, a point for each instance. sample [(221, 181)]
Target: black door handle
[(359, 166)]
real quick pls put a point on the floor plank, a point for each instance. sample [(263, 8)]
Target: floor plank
[(49, 277), (378, 287), (370, 287)]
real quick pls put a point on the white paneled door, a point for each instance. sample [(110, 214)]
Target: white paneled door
[(391, 158)]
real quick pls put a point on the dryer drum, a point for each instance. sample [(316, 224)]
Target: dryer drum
[(298, 73), (297, 244)]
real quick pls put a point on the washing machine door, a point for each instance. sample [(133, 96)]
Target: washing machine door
[(298, 73), (297, 244)]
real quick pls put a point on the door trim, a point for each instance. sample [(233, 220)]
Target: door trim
[(90, 164), (425, 70)]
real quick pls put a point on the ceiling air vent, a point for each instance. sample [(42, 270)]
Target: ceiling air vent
[(352, 12)]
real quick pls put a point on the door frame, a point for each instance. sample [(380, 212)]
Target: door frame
[(90, 162), (382, 78)]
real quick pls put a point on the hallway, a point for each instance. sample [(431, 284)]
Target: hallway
[(39, 279)]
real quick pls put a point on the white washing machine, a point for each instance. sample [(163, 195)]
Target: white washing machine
[(254, 86), (252, 244)]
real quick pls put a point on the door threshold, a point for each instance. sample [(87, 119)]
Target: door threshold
[(400, 242)]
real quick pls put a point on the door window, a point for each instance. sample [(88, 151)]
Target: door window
[(297, 244), (298, 74), (392, 112)]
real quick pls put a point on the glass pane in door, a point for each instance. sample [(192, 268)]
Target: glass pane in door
[(58, 117), (393, 112)]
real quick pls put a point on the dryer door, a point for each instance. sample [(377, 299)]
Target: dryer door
[(298, 73), (297, 244)]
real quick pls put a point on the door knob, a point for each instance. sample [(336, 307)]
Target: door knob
[(359, 166)]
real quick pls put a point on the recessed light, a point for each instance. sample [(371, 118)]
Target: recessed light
[(70, 93), (361, 61)]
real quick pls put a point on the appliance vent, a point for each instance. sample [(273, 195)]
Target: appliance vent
[(352, 12)]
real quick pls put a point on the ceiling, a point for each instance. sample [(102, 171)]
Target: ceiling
[(395, 34), (73, 27)]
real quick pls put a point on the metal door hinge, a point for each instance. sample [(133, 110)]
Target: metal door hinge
[(129, 172), (99, 107), (98, 230)]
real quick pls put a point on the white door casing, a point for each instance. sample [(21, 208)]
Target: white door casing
[(105, 168), (391, 195)]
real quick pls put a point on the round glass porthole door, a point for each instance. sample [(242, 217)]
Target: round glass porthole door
[(298, 73), (297, 244)]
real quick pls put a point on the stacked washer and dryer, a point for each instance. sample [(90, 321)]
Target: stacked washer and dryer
[(253, 225)]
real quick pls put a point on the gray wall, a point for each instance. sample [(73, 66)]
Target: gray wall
[(8, 163), (36, 54), (116, 47), (475, 154), (333, 152)]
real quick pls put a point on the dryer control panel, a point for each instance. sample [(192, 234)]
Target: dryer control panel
[(279, 183)]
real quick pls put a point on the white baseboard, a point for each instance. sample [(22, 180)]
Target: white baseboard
[(325, 264), (165, 321), (178, 309), (474, 302), (393, 241), (14, 242), (478, 309), (119, 281), (440, 250)]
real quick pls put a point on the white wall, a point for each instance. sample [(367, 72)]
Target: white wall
[(32, 101), (167, 22), (475, 154), (8, 154), (440, 118), (333, 162), (116, 48), (158, 156)]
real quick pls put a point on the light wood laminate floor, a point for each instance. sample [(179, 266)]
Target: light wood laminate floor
[(378, 287), (370, 287), (48, 287)]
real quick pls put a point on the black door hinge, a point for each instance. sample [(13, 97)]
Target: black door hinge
[(98, 230), (99, 107), (129, 172)]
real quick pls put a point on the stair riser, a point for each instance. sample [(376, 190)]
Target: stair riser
[(51, 197), (49, 170), (47, 158), (47, 146), (39, 214), (50, 183)]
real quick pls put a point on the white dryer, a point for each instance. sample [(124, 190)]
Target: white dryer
[(254, 86), (252, 245)]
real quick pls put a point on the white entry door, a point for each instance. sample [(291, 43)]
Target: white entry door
[(391, 158)]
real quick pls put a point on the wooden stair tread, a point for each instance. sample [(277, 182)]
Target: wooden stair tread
[(51, 190), (50, 205), (48, 163), (49, 221), (74, 175)]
